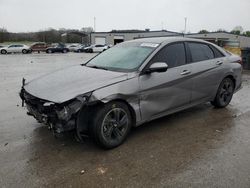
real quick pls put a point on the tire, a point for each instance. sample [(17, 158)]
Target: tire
[(224, 94), (64, 51), (91, 51), (24, 51), (3, 52), (111, 125), (49, 51)]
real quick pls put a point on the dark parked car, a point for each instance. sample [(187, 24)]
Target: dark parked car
[(58, 48), (132, 83), (39, 47)]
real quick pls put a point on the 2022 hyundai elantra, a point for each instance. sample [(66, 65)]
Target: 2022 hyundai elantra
[(132, 83)]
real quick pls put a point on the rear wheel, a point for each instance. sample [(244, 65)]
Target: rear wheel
[(3, 52), (65, 51), (224, 94), (111, 125)]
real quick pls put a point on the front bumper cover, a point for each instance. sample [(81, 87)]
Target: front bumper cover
[(58, 117)]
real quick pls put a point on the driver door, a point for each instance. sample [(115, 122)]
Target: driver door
[(161, 92), (12, 48)]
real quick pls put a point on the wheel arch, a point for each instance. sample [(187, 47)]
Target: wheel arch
[(232, 78), (83, 117)]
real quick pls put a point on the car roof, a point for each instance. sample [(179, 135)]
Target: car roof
[(166, 40)]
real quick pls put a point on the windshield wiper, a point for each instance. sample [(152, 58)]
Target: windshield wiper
[(96, 67)]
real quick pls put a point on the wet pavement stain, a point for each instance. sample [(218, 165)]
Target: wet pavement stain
[(198, 147)]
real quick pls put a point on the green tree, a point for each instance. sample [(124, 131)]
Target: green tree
[(247, 33), (203, 31), (235, 32)]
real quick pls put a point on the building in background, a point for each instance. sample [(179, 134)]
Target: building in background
[(117, 36), (229, 41)]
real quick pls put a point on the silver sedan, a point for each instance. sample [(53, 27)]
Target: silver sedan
[(130, 84)]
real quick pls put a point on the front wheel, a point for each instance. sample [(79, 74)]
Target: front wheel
[(24, 51), (3, 52), (224, 94), (111, 125)]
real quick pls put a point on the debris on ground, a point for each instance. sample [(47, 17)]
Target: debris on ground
[(101, 170), (82, 171)]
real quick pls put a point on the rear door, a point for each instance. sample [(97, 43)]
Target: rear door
[(207, 64), (162, 92), (19, 48)]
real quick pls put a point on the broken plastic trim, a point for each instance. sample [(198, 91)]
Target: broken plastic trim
[(73, 107)]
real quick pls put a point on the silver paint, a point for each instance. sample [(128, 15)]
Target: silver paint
[(149, 95)]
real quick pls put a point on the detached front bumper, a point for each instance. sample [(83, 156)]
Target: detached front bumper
[(59, 118)]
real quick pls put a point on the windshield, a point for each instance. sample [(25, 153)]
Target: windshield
[(124, 57)]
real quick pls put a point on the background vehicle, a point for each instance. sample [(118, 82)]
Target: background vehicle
[(96, 48), (132, 83), (39, 47), (58, 48), (80, 48), (15, 48), (72, 47)]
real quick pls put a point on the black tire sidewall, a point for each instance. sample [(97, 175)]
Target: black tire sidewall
[(217, 103), (96, 126), (3, 52)]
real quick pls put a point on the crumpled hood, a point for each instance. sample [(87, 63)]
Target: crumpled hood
[(66, 84)]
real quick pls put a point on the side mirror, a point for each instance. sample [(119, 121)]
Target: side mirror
[(157, 67)]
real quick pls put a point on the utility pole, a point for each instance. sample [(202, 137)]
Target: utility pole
[(94, 24), (185, 28)]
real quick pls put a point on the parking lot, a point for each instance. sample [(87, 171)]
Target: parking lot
[(199, 147)]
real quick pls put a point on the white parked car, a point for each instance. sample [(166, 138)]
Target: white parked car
[(15, 48), (96, 48), (73, 47)]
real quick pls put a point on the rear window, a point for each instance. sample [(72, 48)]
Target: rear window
[(217, 53), (200, 52)]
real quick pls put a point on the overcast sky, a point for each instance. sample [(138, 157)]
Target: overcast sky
[(34, 15)]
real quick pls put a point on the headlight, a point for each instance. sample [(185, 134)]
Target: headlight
[(68, 110), (48, 104)]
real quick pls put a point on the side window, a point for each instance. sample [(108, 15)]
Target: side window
[(200, 52), (174, 55), (217, 53)]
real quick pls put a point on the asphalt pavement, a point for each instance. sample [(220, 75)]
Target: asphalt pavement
[(198, 147)]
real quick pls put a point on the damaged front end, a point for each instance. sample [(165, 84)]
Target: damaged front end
[(58, 117)]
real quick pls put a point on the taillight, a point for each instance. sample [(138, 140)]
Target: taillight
[(240, 61)]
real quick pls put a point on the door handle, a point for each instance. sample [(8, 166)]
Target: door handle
[(219, 63), (185, 72)]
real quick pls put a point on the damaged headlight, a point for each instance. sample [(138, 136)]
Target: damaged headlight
[(72, 107), (47, 104)]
